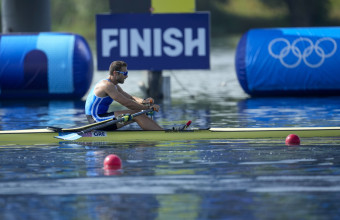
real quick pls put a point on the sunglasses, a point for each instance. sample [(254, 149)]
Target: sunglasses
[(124, 73)]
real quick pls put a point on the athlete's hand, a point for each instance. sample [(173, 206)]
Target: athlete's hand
[(155, 107), (148, 101)]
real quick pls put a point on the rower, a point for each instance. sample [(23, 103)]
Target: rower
[(106, 91)]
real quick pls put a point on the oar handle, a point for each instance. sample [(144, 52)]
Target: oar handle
[(114, 121)]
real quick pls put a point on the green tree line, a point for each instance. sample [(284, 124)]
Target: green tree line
[(228, 17), (271, 13)]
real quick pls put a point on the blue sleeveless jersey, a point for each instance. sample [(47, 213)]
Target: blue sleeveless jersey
[(96, 106)]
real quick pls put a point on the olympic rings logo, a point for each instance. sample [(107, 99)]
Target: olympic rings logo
[(302, 55)]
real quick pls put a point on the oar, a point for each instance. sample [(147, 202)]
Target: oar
[(77, 135)]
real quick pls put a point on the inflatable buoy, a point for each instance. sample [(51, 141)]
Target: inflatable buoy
[(289, 61), (44, 66)]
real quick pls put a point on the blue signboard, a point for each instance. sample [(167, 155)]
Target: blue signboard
[(154, 41)]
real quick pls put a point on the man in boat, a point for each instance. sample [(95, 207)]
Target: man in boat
[(107, 91)]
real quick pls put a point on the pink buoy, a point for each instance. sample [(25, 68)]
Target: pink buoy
[(292, 139), (112, 162)]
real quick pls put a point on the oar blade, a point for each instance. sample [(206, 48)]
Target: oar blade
[(69, 137)]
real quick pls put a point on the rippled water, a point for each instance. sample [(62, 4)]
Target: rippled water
[(224, 179), (239, 179)]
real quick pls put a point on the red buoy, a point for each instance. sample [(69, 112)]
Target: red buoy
[(112, 162), (292, 139)]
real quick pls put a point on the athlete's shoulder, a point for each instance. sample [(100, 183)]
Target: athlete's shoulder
[(104, 84), (109, 88)]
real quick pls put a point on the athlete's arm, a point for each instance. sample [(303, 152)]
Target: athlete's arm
[(149, 101), (127, 95), (123, 98)]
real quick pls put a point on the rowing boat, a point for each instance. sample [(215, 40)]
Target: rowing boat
[(47, 136)]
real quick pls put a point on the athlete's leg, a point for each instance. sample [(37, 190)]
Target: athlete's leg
[(143, 121), (111, 127)]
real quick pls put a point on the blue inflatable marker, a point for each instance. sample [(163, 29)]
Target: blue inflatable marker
[(289, 61), (44, 65)]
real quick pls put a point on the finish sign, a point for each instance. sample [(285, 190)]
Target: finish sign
[(154, 41)]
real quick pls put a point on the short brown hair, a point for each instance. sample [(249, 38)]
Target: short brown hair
[(116, 66)]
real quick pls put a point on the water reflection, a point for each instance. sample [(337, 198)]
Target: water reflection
[(250, 112), (26, 114), (285, 112)]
